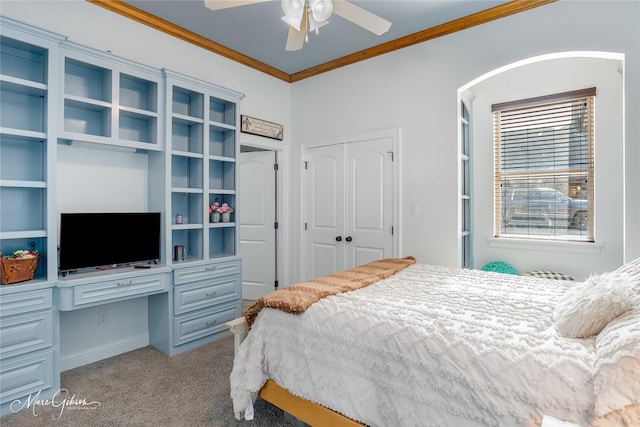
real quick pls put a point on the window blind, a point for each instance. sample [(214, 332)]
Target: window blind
[(544, 167)]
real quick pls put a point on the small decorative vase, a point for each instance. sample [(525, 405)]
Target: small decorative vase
[(226, 216), (214, 217)]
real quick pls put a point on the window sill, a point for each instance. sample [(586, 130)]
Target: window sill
[(546, 245)]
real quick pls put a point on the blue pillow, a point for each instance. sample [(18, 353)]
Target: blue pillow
[(500, 267)]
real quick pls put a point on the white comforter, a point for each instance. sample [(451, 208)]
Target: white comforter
[(428, 346)]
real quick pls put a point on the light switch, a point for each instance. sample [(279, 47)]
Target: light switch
[(414, 209)]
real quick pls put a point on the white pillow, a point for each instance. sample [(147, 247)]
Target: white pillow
[(631, 268), (617, 380), (586, 308)]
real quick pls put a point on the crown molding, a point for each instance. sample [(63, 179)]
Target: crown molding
[(479, 18), (167, 27)]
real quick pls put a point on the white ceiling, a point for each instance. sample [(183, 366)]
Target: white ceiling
[(258, 32)]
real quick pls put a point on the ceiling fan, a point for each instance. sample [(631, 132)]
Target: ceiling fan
[(309, 15)]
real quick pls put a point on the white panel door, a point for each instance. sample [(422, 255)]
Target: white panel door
[(257, 217), (349, 205), (369, 201), (325, 210)]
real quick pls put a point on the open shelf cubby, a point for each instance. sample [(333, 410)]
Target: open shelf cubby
[(222, 175), (222, 142), (32, 199), (31, 243), (186, 172), (16, 152), (23, 107), (189, 205), (138, 93), (228, 198), (138, 127), (192, 241), (23, 61), (221, 111), (187, 103), (87, 118), (87, 81), (222, 241), (186, 135)]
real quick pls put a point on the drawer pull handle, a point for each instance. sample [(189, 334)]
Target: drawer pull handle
[(127, 283), (211, 322), (210, 294), (210, 268)]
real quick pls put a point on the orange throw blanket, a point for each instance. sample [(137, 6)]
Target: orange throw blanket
[(297, 298)]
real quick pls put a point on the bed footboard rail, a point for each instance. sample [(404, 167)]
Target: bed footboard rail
[(239, 329)]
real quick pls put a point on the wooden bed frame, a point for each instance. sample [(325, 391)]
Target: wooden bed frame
[(304, 410)]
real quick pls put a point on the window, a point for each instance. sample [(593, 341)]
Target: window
[(465, 188), (544, 167)]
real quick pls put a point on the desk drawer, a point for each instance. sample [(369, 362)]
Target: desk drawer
[(115, 290), (203, 323), (24, 375), (25, 333), (206, 293), (24, 302), (192, 274)]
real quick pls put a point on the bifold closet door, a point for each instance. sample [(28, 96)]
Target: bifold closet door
[(349, 205), (325, 210), (368, 201)]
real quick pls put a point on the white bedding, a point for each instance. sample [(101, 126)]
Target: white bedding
[(428, 346)]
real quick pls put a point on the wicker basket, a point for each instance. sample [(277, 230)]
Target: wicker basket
[(14, 270)]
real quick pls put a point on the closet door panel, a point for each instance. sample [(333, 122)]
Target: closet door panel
[(325, 210), (368, 201)]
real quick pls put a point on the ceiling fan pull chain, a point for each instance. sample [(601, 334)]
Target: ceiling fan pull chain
[(306, 28)]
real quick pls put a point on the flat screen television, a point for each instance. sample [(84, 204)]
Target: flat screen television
[(94, 240)]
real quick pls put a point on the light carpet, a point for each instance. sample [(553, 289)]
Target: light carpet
[(148, 388)]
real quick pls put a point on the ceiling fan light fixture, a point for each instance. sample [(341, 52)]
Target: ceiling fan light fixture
[(293, 11), (321, 9), (295, 23), (314, 25)]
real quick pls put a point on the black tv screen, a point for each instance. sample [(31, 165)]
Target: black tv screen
[(108, 239)]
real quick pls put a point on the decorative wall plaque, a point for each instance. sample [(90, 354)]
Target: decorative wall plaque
[(261, 127)]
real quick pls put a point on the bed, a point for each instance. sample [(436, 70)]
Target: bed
[(439, 346)]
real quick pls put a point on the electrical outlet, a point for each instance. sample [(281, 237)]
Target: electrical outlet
[(103, 317)]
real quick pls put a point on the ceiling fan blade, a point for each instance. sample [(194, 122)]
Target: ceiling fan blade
[(295, 38), (225, 4), (361, 17)]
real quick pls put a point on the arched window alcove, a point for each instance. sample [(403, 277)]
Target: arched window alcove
[(534, 77)]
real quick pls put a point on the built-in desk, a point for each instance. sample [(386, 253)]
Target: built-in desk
[(82, 290)]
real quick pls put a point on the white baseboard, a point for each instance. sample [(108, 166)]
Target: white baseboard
[(81, 358)]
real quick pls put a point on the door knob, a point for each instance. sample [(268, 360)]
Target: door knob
[(339, 239), (348, 238)]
